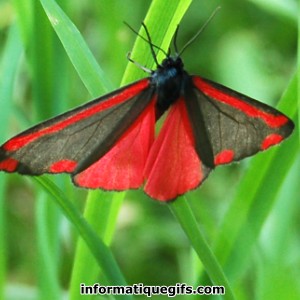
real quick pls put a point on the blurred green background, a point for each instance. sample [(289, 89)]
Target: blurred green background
[(249, 46)]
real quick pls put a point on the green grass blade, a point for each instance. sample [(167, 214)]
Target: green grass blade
[(47, 224), (182, 212), (109, 206), (170, 14), (186, 218), (9, 63), (101, 211), (100, 251), (298, 74), (41, 57), (82, 59), (80, 55)]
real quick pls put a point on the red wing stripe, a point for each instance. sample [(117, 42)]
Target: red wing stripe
[(252, 111), (22, 140)]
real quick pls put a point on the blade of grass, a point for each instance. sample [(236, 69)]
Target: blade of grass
[(90, 74), (41, 60), (186, 218), (76, 57), (88, 71), (47, 221), (43, 44), (100, 251), (9, 63), (102, 216), (298, 69), (80, 55), (171, 12)]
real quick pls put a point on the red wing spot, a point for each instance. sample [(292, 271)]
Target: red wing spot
[(9, 165), (248, 109), (64, 165), (271, 140), (96, 107), (224, 157)]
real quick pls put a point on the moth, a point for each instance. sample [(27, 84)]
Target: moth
[(110, 143)]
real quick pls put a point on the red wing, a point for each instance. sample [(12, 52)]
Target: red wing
[(75, 140), (122, 167), (173, 166), (236, 126)]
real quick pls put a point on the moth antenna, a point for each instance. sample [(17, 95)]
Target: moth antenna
[(149, 41), (138, 64), (199, 32), (175, 40)]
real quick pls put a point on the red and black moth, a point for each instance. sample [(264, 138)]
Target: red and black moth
[(110, 143)]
